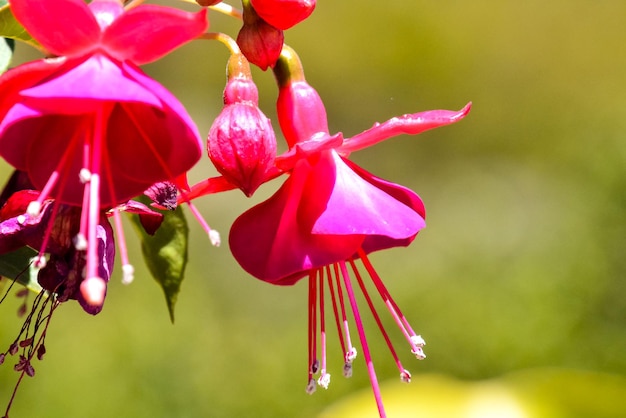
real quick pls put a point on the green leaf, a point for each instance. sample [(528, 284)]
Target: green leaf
[(165, 253), (17, 266), (6, 53), (11, 28)]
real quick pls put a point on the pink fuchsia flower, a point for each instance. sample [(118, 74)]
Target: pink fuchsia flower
[(283, 14), (327, 216), (241, 142), (89, 127)]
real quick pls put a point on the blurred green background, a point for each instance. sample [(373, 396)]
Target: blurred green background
[(521, 267)]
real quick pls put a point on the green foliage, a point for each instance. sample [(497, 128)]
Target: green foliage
[(16, 265), (165, 253), (11, 28), (6, 53)]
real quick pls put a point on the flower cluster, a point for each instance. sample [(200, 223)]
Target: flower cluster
[(89, 134)]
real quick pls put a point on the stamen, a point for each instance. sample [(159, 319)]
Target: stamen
[(34, 208), (324, 379), (350, 354), (347, 370), (21, 219), (128, 270), (214, 236), (93, 290), (128, 274), (311, 387), (40, 261), (376, 316), (361, 331), (313, 365), (393, 308), (80, 242), (419, 342), (84, 175), (405, 376)]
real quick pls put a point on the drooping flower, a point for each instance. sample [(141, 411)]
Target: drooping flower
[(89, 127), (241, 142), (327, 216)]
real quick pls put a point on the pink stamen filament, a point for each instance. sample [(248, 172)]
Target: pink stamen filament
[(344, 318), (376, 316), (323, 380), (312, 368), (393, 308), (364, 345), (331, 288), (93, 193), (214, 236)]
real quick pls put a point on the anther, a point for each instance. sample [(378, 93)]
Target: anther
[(405, 376), (39, 261), (80, 242), (310, 387), (324, 379), (84, 175), (21, 219), (128, 274), (93, 290), (351, 355), (418, 342), (215, 238), (34, 208), (347, 370), (315, 366)]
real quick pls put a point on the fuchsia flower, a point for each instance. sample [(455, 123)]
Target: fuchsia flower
[(241, 142), (329, 214), (89, 127)]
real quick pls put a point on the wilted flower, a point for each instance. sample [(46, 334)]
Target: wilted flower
[(89, 127), (329, 214), (241, 142)]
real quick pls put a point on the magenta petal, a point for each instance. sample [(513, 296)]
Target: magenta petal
[(401, 194), (63, 27), (273, 240), (83, 86), (352, 205), (148, 32), (412, 124)]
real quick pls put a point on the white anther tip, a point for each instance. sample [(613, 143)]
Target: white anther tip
[(128, 274), (215, 238), (34, 208)]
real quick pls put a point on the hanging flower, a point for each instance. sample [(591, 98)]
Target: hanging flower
[(241, 142), (89, 127), (328, 216)]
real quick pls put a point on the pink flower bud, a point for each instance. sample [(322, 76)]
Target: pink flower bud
[(241, 142), (301, 112), (283, 14), (259, 41)]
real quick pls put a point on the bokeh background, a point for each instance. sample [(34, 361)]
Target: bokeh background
[(519, 277)]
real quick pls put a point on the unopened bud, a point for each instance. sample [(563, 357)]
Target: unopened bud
[(283, 14)]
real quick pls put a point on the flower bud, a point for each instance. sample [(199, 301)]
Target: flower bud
[(241, 142), (301, 112), (283, 14), (259, 41)]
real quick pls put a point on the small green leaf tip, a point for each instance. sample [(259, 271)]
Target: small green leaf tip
[(165, 253)]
